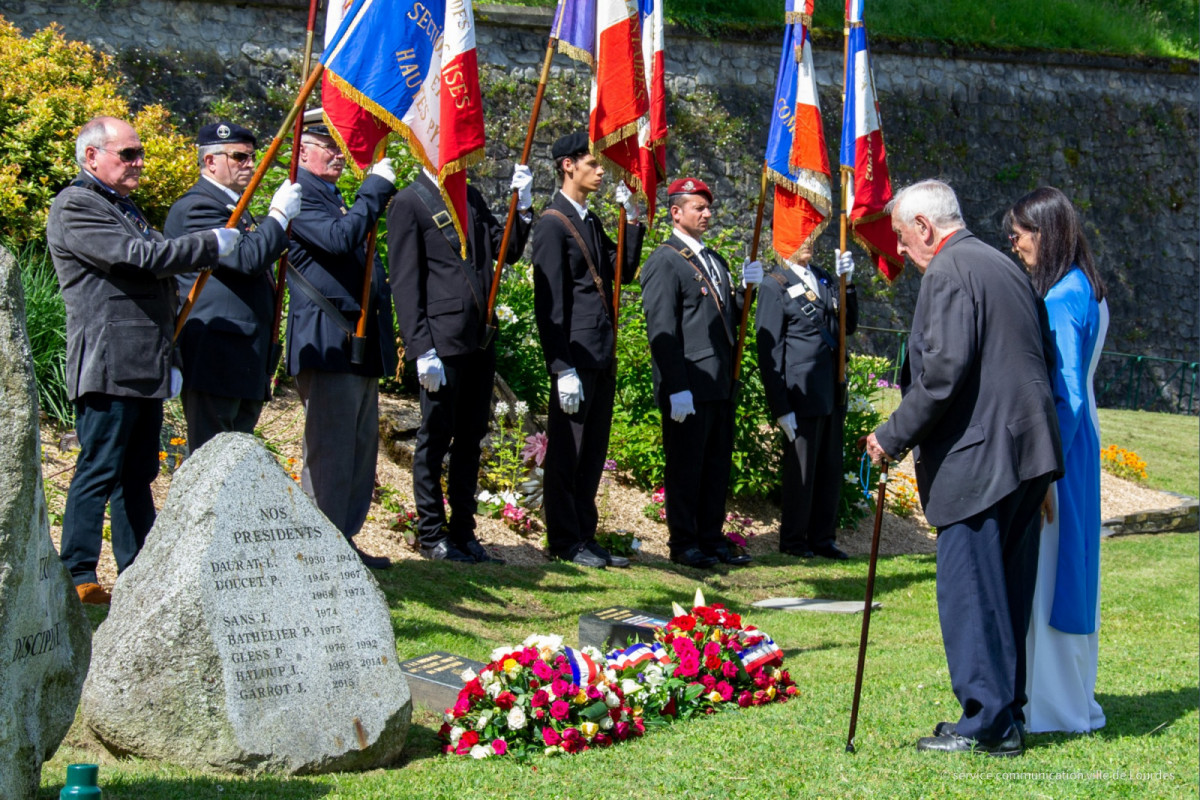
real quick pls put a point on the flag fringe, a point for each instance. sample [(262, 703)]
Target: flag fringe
[(577, 53), (822, 203)]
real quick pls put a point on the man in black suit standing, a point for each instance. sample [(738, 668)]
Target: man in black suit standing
[(339, 387), (692, 310), (441, 303), (977, 406), (797, 323), (226, 342), (574, 265)]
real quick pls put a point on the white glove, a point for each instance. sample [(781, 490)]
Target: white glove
[(430, 372), (227, 239), (624, 197), (176, 381), (752, 273), (787, 424), (682, 405), (383, 168), (845, 264), (285, 203), (570, 391), (522, 184)]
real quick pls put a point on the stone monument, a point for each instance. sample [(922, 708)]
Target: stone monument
[(247, 636), (45, 638)]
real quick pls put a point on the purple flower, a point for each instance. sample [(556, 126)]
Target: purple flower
[(535, 448), (610, 465)]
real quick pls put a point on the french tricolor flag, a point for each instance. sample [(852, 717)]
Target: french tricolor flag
[(761, 654), (638, 654), (355, 129), (863, 151), (584, 671), (652, 128)]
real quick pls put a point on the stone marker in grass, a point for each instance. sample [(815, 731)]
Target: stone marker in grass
[(247, 636), (44, 636), (435, 679), (814, 604), (617, 626)]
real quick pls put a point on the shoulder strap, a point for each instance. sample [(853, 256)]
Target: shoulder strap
[(809, 310), (686, 254), (445, 224), (297, 279), (587, 254)]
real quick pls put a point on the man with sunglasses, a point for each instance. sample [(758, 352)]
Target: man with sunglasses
[(226, 342), (117, 276), (338, 385)]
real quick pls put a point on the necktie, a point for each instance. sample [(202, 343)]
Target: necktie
[(714, 272)]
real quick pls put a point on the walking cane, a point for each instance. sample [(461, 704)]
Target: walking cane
[(252, 187), (866, 626)]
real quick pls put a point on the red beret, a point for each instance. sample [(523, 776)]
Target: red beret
[(690, 186)]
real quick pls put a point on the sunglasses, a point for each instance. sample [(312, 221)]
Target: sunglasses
[(127, 155), (238, 157)]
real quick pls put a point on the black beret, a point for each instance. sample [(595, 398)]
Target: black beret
[(225, 133), (570, 145)]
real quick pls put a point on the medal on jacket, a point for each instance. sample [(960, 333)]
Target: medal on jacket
[(810, 296), (704, 291)]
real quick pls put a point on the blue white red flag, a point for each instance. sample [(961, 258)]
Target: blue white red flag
[(761, 654), (412, 65), (584, 671), (354, 128), (863, 151), (797, 161), (652, 128), (638, 654)]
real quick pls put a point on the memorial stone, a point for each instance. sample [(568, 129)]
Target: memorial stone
[(247, 636), (436, 679), (618, 626), (817, 604), (45, 638)]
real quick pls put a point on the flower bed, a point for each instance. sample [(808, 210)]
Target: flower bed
[(544, 697)]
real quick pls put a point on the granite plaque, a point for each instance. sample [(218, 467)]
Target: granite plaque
[(435, 679), (815, 604), (618, 626), (247, 635)]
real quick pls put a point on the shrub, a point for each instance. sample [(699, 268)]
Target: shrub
[(51, 87), (1123, 463), (46, 323)]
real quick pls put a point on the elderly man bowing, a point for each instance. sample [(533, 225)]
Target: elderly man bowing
[(977, 406), (226, 341), (117, 276)]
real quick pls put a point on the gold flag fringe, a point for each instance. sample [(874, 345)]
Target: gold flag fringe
[(821, 203)]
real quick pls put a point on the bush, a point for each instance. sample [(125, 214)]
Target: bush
[(46, 324), (51, 88)]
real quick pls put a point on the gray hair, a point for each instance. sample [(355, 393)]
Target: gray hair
[(932, 199), (96, 132), (208, 150)]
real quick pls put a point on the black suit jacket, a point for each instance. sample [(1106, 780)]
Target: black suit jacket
[(573, 317), (692, 333), (978, 405), (799, 368), (226, 340), (441, 300), (329, 248)]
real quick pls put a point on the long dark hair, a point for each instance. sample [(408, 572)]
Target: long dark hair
[(1062, 244)]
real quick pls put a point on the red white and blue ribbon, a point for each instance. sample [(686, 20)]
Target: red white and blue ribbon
[(761, 654), (638, 654), (584, 671)]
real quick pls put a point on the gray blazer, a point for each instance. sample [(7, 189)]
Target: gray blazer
[(977, 405), (117, 279)]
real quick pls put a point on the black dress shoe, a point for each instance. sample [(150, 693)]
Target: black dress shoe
[(831, 551), (582, 556), (798, 552), (371, 562), (444, 551), (728, 556), (694, 557), (596, 549), (951, 729), (478, 553), (1009, 746)]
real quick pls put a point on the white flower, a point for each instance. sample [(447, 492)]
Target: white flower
[(469, 675), (593, 654), (654, 676), (486, 677), (505, 314), (611, 700), (455, 734), (494, 689), (545, 645), (516, 718), (610, 675), (509, 498), (850, 477), (448, 718), (630, 687), (480, 751), (606, 723), (501, 651), (485, 497), (635, 545), (484, 719), (501, 409), (522, 408)]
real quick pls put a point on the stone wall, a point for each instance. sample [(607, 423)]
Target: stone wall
[(1120, 136)]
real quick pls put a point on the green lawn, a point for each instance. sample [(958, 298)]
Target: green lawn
[(1147, 686), (1169, 443)]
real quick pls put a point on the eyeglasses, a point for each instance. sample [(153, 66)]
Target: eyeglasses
[(127, 154), (331, 148), (1013, 238), (237, 156)]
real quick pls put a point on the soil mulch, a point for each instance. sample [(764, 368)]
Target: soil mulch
[(621, 504)]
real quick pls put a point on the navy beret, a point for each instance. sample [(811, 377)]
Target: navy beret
[(225, 133), (570, 145)]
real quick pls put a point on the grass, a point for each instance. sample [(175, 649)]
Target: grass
[(1167, 442), (1121, 27), (1147, 686)]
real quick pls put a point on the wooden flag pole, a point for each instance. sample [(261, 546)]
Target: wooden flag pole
[(358, 345), (512, 204), (748, 293), (866, 624), (846, 173), (622, 221), (293, 170), (252, 187)]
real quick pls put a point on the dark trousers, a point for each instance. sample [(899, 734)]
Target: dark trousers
[(118, 460), (699, 452), (210, 414), (576, 448), (341, 444), (454, 420), (812, 483), (986, 569)]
